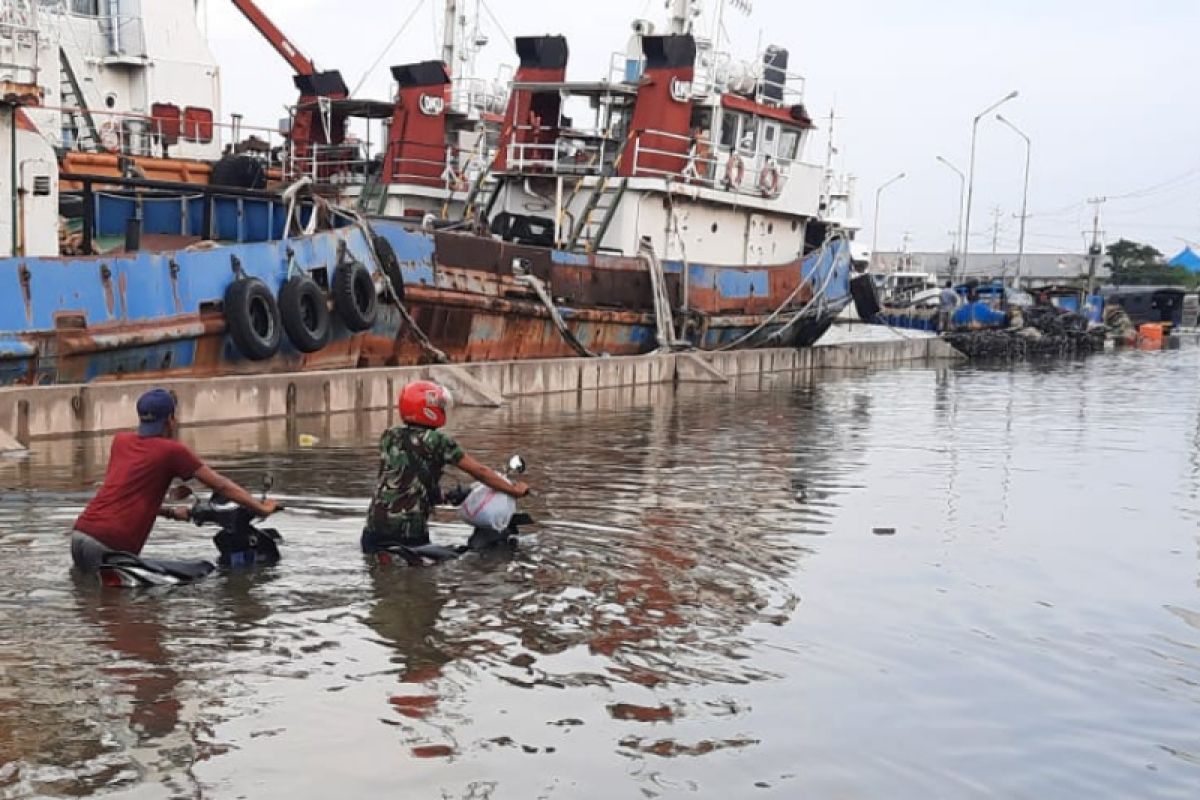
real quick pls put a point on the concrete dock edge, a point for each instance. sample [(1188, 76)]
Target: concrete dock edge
[(39, 412)]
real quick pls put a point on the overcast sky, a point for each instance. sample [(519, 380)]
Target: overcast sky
[(1110, 95)]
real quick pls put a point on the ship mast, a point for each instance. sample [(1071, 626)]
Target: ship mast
[(450, 39), (681, 16)]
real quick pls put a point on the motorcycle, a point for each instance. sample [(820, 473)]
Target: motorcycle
[(240, 545), (501, 536)]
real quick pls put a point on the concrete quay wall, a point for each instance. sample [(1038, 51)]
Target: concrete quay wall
[(28, 413)]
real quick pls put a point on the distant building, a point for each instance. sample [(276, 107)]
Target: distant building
[(1188, 259), (1041, 269)]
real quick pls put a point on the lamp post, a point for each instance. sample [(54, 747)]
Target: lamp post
[(875, 229), (962, 190), (966, 248), (1024, 195)]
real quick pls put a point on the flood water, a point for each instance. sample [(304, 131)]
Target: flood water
[(925, 582)]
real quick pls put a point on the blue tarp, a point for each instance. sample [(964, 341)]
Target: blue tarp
[(1187, 259)]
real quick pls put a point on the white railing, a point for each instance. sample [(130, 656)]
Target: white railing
[(721, 170), (19, 44), (476, 95), (653, 154), (141, 135), (573, 152)]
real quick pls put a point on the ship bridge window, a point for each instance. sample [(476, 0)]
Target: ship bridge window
[(748, 141), (89, 8), (740, 131), (789, 144)]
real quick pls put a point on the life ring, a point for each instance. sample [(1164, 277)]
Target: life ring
[(768, 181), (735, 170), (252, 316), (110, 140), (304, 310), (354, 296)]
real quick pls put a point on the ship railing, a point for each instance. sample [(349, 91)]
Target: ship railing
[(785, 90), (130, 134), (693, 161), (124, 34), (343, 164), (454, 171), (476, 95), (571, 152), (19, 43)]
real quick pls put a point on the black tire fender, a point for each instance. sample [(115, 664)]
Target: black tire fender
[(252, 316), (304, 310), (354, 295), (386, 256)]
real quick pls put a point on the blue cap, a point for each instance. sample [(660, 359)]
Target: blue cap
[(154, 408)]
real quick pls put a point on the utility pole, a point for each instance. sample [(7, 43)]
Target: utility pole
[(1094, 251), (995, 229)]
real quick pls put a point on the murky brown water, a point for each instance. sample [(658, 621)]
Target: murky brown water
[(714, 605)]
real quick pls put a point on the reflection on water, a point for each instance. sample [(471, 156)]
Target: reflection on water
[(927, 582)]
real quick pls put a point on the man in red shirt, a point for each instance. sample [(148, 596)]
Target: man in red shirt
[(141, 467)]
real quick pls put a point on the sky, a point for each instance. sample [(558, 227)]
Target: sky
[(1109, 95)]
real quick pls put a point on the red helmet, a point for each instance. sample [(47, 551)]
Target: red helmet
[(424, 403)]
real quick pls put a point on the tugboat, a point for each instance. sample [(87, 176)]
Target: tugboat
[(682, 217)]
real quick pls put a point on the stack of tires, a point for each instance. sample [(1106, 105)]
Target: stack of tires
[(257, 320)]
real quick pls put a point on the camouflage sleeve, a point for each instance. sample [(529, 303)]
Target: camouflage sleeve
[(391, 452), (452, 453)]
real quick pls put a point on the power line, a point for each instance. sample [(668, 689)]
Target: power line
[(389, 46)]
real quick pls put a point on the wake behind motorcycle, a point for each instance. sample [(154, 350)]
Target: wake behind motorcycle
[(240, 545), (493, 516)]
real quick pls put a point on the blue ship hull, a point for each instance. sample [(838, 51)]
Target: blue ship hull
[(158, 312)]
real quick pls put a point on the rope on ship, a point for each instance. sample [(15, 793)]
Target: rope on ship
[(674, 227), (539, 289), (395, 293), (663, 317), (818, 295)]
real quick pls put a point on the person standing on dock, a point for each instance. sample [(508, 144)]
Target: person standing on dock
[(947, 302), (141, 466), (411, 459)]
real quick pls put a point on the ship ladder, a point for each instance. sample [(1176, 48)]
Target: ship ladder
[(483, 193), (75, 107), (601, 191)]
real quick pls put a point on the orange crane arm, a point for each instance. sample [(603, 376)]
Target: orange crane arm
[(291, 54)]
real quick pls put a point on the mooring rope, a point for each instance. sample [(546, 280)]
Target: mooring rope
[(539, 289), (819, 294)]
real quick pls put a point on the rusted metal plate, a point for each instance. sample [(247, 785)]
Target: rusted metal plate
[(467, 252)]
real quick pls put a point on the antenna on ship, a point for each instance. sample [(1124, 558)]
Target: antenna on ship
[(744, 6)]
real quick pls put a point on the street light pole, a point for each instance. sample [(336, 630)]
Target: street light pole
[(962, 191), (875, 229), (966, 248), (1024, 195)]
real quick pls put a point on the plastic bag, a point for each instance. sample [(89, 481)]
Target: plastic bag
[(487, 508)]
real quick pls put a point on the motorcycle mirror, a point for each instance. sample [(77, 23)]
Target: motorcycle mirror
[(516, 465), (267, 482)]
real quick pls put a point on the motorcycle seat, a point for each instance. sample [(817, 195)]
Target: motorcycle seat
[(183, 570)]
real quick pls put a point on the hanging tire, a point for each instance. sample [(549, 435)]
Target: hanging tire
[(386, 256), (252, 317), (304, 310), (354, 296)]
